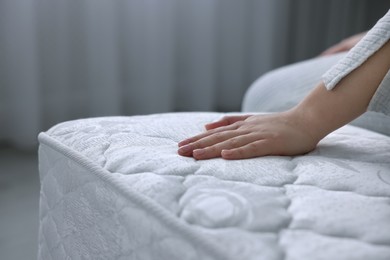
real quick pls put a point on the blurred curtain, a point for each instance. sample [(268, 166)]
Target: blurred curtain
[(67, 59)]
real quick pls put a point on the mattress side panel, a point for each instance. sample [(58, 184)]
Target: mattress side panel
[(82, 217)]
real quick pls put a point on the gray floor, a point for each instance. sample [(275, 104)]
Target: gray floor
[(19, 203)]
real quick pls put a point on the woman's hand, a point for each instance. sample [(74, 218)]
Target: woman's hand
[(344, 45), (240, 137), (298, 130)]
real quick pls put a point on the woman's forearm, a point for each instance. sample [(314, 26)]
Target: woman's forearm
[(324, 111)]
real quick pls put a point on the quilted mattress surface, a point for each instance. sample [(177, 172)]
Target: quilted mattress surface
[(115, 188)]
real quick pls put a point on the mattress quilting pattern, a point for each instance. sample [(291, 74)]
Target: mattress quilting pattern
[(115, 188)]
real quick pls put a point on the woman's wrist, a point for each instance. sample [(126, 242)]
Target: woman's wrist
[(324, 111), (305, 118)]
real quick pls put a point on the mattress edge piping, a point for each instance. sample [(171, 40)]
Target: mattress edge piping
[(144, 202)]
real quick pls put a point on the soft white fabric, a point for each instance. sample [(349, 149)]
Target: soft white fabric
[(285, 87), (380, 102), (371, 42), (115, 188)]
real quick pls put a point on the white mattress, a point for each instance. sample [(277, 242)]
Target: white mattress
[(115, 188)]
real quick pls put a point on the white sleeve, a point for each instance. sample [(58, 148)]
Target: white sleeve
[(371, 42)]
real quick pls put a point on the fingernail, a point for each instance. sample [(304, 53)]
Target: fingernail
[(199, 152), (185, 149), (184, 142), (226, 152)]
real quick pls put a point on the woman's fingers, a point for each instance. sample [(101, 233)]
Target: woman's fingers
[(208, 133), (344, 45), (207, 141), (250, 150), (335, 49), (213, 151), (227, 120), (225, 124)]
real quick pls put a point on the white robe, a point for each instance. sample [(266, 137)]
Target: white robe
[(372, 42)]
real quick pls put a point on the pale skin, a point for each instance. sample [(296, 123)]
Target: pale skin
[(344, 45), (298, 130)]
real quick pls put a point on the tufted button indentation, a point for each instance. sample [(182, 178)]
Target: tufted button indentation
[(216, 208)]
